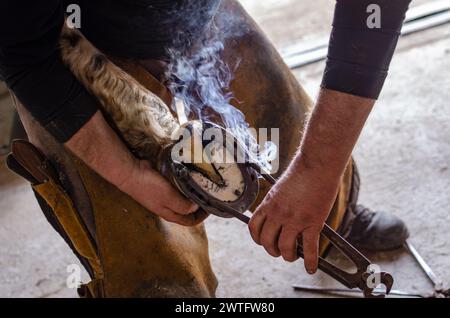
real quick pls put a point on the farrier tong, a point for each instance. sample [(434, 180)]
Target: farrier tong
[(366, 277)]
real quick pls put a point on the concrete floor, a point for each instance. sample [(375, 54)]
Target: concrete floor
[(403, 156)]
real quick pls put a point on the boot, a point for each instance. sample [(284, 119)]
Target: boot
[(370, 230), (376, 231)]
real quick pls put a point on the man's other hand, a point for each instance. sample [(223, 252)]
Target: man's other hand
[(298, 205), (295, 209), (102, 150), (155, 193)]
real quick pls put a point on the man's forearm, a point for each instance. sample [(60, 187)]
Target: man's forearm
[(358, 60), (331, 133), (101, 149), (300, 202)]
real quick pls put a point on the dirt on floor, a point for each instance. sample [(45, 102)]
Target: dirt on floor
[(403, 157)]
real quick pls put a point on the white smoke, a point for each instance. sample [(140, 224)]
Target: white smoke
[(201, 79)]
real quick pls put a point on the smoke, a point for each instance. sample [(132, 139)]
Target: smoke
[(200, 78), (202, 82)]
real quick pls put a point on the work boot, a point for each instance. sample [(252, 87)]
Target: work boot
[(376, 231)]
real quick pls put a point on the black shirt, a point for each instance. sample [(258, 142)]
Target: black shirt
[(30, 61)]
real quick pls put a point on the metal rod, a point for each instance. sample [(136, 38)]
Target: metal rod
[(427, 9), (437, 283), (327, 290), (419, 18), (426, 23)]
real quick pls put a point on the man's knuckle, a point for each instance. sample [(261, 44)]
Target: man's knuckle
[(252, 225), (270, 247), (284, 247), (255, 237), (269, 250), (288, 257), (260, 212), (265, 241)]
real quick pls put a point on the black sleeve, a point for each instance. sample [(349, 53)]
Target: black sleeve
[(360, 51), (32, 68)]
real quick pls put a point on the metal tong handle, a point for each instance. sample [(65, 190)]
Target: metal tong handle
[(362, 263), (350, 280)]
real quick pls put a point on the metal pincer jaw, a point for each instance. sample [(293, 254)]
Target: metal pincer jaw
[(367, 276), (372, 278)]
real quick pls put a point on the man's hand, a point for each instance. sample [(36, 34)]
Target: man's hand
[(155, 193), (298, 205), (102, 150), (295, 209)]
